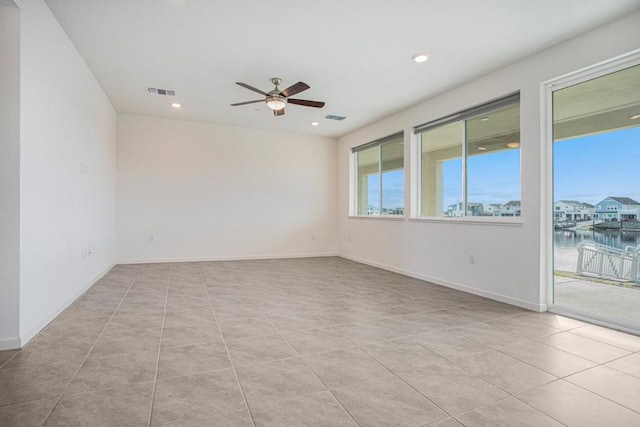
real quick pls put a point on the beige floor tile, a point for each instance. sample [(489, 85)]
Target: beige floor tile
[(400, 355), (451, 387), (612, 384), (30, 414), (628, 364), (503, 371), (386, 402), (107, 371), (555, 321), (507, 413), (549, 359), (449, 422), (34, 382), (317, 409), (128, 406), (524, 327), (208, 396), (316, 340), (489, 335), (173, 336), (119, 339), (192, 359), (586, 348), (343, 367), (609, 336), (449, 344), (322, 309), (259, 349), (246, 327), (285, 324), (574, 406), (6, 355), (267, 383)]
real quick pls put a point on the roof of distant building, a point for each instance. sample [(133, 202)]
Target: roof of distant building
[(588, 205), (571, 202), (624, 200), (512, 203)]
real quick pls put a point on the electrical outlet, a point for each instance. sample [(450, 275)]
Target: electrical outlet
[(89, 251), (349, 238), (472, 258), (313, 237), (152, 239)]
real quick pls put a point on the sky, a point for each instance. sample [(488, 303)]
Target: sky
[(587, 169), (592, 168)]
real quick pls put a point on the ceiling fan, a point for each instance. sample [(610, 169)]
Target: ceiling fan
[(277, 99)]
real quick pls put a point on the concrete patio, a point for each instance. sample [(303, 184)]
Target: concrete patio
[(607, 300)]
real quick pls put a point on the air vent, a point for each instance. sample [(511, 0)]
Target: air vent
[(157, 91), (334, 117)]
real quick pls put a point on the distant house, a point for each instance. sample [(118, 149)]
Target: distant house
[(572, 210), (454, 211), (511, 208), (491, 209), (617, 209)]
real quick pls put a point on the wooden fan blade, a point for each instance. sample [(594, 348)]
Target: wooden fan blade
[(278, 112), (304, 102), (296, 88), (248, 102), (246, 86)]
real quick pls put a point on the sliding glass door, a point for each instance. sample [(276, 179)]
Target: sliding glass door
[(596, 196)]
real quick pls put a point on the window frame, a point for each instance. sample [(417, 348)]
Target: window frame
[(354, 185), (462, 116)]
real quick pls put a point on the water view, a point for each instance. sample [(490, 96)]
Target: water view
[(566, 242)]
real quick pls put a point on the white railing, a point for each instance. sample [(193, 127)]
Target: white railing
[(607, 262)]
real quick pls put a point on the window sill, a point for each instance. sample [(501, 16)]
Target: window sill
[(384, 217), (497, 221)]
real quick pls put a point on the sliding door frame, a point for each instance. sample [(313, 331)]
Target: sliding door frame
[(546, 173)]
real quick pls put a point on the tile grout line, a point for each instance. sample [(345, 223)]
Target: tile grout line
[(313, 372), (19, 350), (155, 377), (226, 348), (539, 410), (403, 380), (92, 347)]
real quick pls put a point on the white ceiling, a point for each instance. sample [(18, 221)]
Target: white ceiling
[(355, 54)]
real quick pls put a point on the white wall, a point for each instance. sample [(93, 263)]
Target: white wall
[(66, 122), (207, 191), (508, 257), (9, 177)]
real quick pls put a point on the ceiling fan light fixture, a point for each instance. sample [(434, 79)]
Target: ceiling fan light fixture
[(276, 102), (513, 144)]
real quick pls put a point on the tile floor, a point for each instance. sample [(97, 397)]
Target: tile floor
[(312, 342)]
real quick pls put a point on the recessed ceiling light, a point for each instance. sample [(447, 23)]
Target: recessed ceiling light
[(315, 123), (482, 148), (634, 117), (513, 144), (484, 119), (176, 105), (420, 57)]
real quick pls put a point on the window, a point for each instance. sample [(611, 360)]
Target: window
[(470, 162), (380, 176)]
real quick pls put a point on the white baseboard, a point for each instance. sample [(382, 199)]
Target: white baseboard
[(35, 331), (226, 258), (471, 290), (10, 343)]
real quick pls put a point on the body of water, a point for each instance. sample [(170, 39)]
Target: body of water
[(565, 251)]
